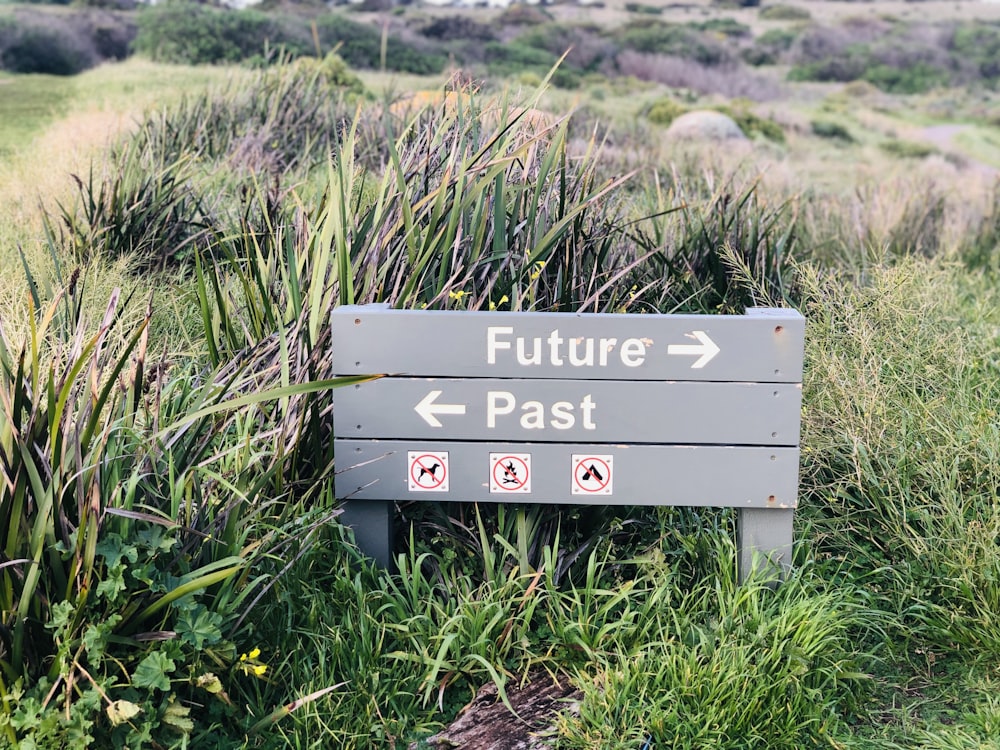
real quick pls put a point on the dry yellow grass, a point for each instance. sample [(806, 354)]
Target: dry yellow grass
[(109, 102)]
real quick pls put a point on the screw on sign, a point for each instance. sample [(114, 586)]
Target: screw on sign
[(592, 475), (427, 472), (510, 473)]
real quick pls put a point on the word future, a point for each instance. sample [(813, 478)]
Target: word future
[(584, 351)]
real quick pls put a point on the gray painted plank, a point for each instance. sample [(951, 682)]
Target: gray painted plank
[(765, 345), (570, 411), (717, 476)]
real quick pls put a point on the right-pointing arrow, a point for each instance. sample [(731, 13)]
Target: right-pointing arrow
[(705, 350), (428, 410)]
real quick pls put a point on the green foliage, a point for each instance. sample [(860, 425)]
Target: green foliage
[(510, 57), (144, 211), (751, 123), (911, 79), (360, 45), (198, 34), (664, 111), (725, 26), (650, 10), (720, 665), (279, 119), (907, 149), (674, 40), (780, 12), (769, 47), (900, 465), (39, 42), (980, 250), (905, 60), (976, 46), (713, 247), (414, 646), (831, 129)]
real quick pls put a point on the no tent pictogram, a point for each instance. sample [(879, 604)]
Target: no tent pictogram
[(510, 472), (427, 472), (592, 475)]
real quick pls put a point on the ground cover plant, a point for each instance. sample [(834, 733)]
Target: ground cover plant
[(173, 572)]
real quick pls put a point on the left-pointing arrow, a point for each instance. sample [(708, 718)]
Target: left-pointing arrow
[(430, 411)]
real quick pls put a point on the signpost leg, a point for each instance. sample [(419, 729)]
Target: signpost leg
[(767, 532), (371, 521)]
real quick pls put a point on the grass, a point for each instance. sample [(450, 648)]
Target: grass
[(885, 636)]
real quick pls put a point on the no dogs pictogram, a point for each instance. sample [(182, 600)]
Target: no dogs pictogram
[(592, 475), (510, 472), (427, 472)]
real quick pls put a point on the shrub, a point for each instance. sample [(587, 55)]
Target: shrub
[(664, 111), (200, 34), (769, 47), (675, 41), (676, 72), (518, 14), (650, 10), (907, 149), (113, 34), (752, 123), (728, 27), (39, 42), (450, 28), (784, 13), (360, 45), (587, 49), (506, 59), (904, 59), (831, 129), (976, 48)]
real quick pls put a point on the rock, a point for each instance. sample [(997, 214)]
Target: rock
[(704, 124)]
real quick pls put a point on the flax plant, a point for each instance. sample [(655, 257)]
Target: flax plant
[(136, 516)]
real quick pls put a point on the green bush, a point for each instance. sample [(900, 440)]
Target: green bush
[(752, 124), (907, 149), (904, 59), (664, 111), (39, 42), (360, 45), (585, 48), (728, 27), (784, 13), (769, 47), (976, 48), (650, 10), (831, 129), (200, 34), (513, 57), (673, 40)]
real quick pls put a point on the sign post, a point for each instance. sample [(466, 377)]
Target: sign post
[(697, 410)]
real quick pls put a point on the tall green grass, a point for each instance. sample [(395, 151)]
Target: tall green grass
[(901, 446), (658, 659)]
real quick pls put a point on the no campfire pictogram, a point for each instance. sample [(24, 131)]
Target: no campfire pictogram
[(510, 472), (592, 475), (427, 472)]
